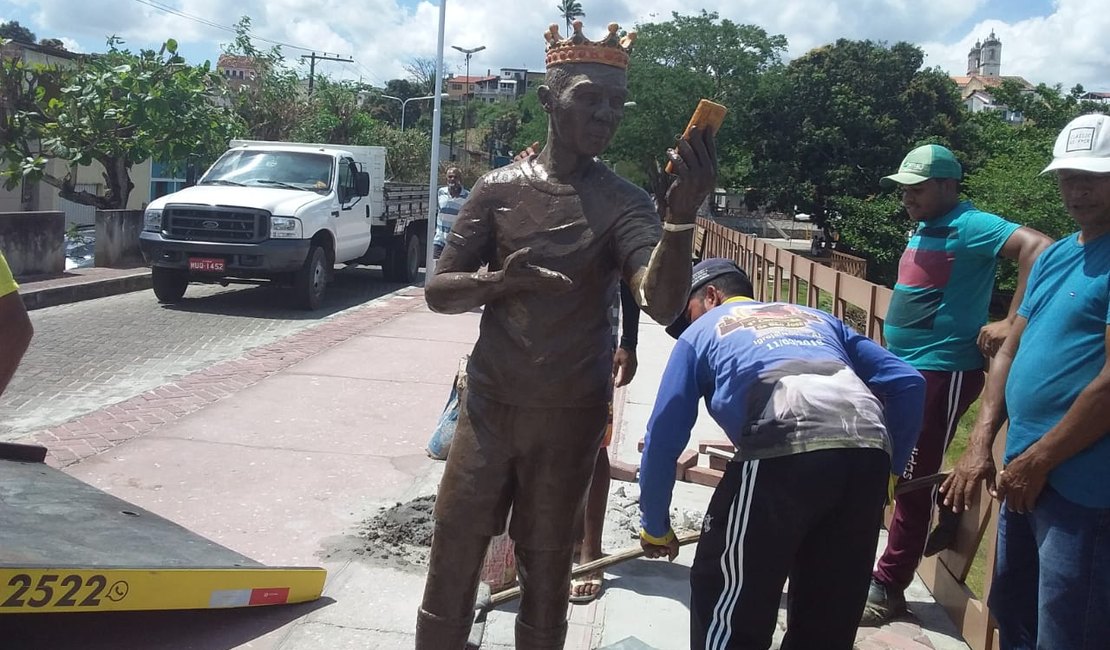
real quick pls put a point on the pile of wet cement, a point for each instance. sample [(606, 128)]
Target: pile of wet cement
[(402, 532)]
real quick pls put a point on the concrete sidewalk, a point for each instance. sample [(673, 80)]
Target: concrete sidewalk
[(283, 456)]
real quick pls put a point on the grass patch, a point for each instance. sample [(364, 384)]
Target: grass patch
[(977, 574)]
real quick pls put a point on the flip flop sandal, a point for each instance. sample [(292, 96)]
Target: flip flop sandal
[(595, 581)]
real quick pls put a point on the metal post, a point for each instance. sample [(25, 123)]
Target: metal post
[(466, 99), (405, 103), (433, 174), (466, 111)]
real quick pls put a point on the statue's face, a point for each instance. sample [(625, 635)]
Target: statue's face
[(587, 106)]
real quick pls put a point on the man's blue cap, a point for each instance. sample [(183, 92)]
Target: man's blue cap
[(704, 272)]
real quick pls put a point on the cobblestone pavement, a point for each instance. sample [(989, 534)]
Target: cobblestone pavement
[(89, 355)]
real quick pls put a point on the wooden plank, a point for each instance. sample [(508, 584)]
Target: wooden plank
[(704, 476), (968, 613), (686, 460)]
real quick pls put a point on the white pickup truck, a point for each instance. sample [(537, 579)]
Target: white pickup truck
[(288, 213)]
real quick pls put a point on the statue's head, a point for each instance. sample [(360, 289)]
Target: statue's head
[(586, 87)]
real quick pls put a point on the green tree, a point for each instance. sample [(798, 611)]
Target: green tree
[(24, 89), (499, 124), (569, 10), (119, 109), (408, 153), (844, 115), (828, 126), (879, 229), (334, 116), (1046, 107), (533, 121), (12, 30), (389, 110), (675, 64), (274, 105)]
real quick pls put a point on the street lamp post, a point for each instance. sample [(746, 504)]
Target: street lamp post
[(466, 102), (405, 103), (433, 165)]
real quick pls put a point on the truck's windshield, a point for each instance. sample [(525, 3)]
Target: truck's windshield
[(298, 170)]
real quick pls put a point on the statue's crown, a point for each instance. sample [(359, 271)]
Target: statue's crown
[(611, 50)]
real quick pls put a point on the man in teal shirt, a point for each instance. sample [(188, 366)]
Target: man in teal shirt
[(1051, 379), (937, 323)]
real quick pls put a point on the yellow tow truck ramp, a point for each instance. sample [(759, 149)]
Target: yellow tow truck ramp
[(66, 546)]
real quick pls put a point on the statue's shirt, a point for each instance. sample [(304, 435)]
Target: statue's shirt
[(552, 349)]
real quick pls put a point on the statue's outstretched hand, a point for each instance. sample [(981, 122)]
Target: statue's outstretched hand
[(521, 275), (695, 165)]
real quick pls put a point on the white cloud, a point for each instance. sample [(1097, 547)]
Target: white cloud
[(1065, 45), (70, 44)]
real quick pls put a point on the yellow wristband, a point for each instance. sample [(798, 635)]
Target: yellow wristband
[(657, 541), (890, 488)]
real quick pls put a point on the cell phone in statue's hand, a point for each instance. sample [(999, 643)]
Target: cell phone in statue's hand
[(707, 115)]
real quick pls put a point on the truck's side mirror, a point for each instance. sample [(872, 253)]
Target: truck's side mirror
[(362, 183)]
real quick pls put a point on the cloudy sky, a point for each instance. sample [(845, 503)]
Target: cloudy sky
[(1052, 41)]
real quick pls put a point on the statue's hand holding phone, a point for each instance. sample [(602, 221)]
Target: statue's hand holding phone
[(694, 161)]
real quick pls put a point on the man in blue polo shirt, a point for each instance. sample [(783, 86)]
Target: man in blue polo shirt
[(819, 415), (1051, 379), (936, 322)]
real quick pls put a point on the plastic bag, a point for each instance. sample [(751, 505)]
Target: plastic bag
[(440, 444), (499, 567)]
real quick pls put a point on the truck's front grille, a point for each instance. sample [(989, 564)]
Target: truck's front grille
[(221, 224)]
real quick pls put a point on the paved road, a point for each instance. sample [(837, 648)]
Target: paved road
[(92, 354)]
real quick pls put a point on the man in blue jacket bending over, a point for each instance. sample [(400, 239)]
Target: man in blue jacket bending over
[(821, 418)]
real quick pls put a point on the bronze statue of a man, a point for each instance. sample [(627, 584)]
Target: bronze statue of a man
[(557, 230)]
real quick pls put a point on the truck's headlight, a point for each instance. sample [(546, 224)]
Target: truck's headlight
[(152, 221), (285, 228)]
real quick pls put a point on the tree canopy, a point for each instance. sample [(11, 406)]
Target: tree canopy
[(675, 64), (272, 106), (12, 30), (837, 119), (118, 109)]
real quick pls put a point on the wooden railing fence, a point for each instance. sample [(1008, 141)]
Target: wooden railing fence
[(850, 264), (779, 275)]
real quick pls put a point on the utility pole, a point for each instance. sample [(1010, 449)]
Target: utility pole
[(312, 66), (466, 99)]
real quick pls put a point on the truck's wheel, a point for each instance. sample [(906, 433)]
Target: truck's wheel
[(312, 279), (402, 260), (169, 284)]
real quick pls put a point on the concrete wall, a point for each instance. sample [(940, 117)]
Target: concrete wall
[(117, 238), (9, 201), (46, 197), (33, 242)]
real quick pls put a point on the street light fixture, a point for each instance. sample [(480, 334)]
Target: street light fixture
[(466, 100), (405, 103)]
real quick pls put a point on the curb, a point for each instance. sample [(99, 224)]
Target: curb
[(60, 295)]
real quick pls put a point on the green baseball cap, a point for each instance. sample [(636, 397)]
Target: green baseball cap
[(923, 163)]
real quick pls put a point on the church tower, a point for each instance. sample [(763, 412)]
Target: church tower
[(990, 61), (973, 59)]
